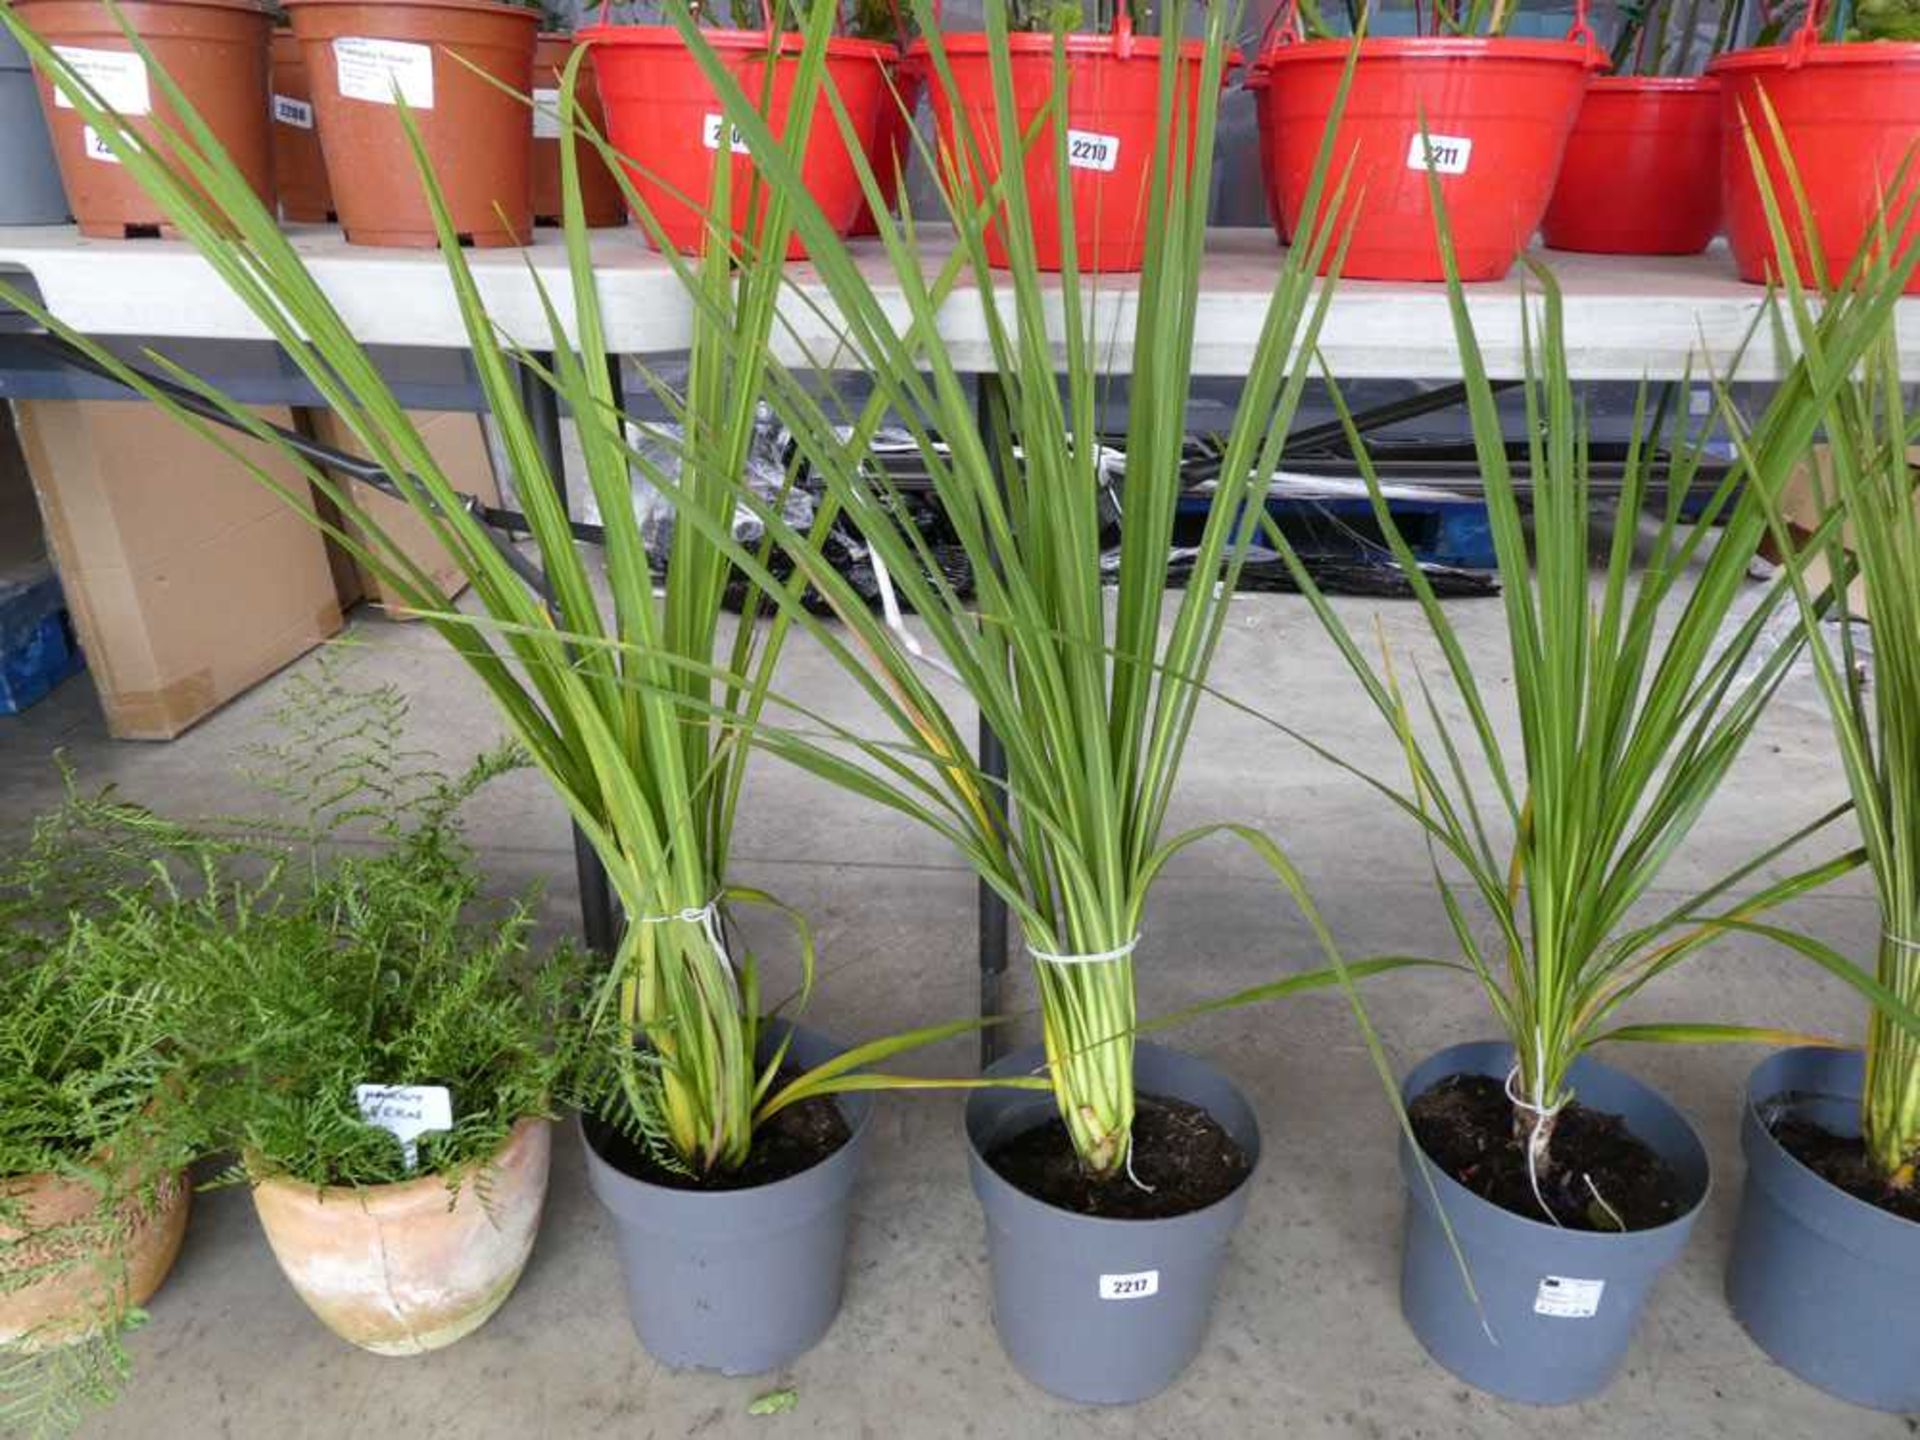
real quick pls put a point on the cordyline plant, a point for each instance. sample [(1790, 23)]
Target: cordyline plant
[(1677, 37), (1093, 699), (615, 700), (1634, 691), (1864, 483)]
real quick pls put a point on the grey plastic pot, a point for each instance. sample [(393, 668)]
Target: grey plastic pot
[(1103, 1311), (30, 191), (1826, 1284), (738, 1281), (1560, 1306)]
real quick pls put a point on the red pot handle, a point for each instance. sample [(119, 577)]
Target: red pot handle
[(1807, 36), (1283, 26)]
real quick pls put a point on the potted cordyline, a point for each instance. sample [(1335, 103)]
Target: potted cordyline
[(367, 1035), (714, 1135), (1641, 175), (1561, 1186), (1496, 112), (1838, 108), (1826, 1261), (1087, 169), (1111, 1192), (664, 114), (217, 53)]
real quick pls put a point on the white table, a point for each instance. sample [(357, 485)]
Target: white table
[(1626, 318)]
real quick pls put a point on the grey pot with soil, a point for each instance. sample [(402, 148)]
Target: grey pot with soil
[(1827, 1282), (736, 1280), (1108, 1309), (1557, 1303)]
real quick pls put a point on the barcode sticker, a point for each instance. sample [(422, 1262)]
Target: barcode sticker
[(1087, 150), (1450, 154), (546, 114), (289, 111), (1566, 1298), (710, 136), (1136, 1286), (119, 77), (374, 69), (97, 149)]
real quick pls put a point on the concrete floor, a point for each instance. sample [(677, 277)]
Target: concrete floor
[(1307, 1340)]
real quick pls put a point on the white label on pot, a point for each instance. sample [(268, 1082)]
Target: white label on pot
[(289, 111), (406, 1112), (1136, 1286), (546, 114), (97, 149), (1568, 1299), (119, 77), (710, 136), (1450, 154), (1087, 150), (374, 69)]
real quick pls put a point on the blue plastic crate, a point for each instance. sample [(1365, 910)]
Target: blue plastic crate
[(37, 648)]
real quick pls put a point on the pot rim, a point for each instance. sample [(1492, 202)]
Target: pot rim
[(1430, 48), (1453, 1190), (1883, 53), (971, 43), (1654, 85), (856, 1128), (1857, 1212), (136, 7), (665, 37), (1206, 1215), (484, 7), (400, 1196)]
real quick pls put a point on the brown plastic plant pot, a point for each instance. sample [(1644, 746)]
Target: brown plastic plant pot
[(214, 50), (600, 193), (88, 1271), (477, 136), (299, 169)]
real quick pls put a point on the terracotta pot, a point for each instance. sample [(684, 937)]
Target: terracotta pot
[(477, 137), (599, 192), (397, 1269), (100, 1270), (299, 169), (216, 52)]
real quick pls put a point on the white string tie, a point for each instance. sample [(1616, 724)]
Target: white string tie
[(1900, 941), (1094, 957), (1544, 1115), (707, 917)]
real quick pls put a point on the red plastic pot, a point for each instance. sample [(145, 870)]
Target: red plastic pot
[(1498, 113), (1113, 87), (893, 141), (665, 118), (1257, 83), (1850, 115), (1641, 174)]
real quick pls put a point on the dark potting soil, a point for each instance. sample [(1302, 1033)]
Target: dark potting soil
[(1182, 1158), (1841, 1160), (796, 1139), (1465, 1126)]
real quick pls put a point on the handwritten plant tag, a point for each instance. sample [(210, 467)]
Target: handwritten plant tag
[(406, 1112)]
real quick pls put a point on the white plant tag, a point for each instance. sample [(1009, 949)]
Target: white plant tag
[(1136, 1286), (119, 77), (406, 1112), (1566, 1298), (1450, 154), (374, 69), (289, 111), (97, 149), (546, 114), (710, 136), (1089, 150)]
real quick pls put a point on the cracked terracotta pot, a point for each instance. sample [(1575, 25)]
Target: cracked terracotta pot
[(407, 1268), (97, 1270)]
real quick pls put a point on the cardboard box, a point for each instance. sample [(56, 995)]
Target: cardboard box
[(458, 442), (1801, 508), (189, 580)]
